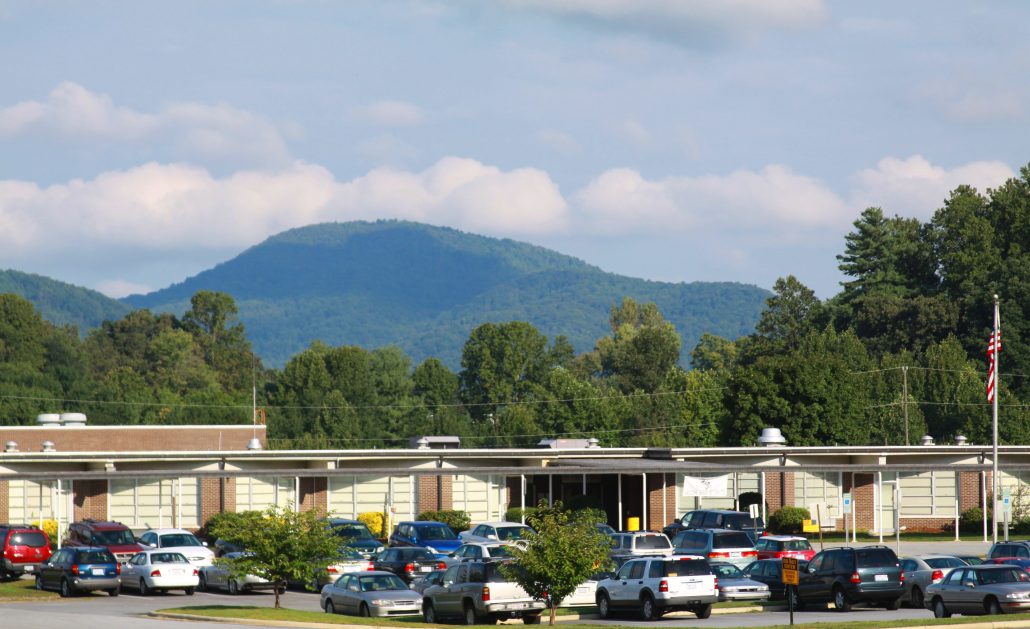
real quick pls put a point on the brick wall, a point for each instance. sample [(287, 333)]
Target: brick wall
[(90, 500), (971, 490), (5, 493), (429, 492), (655, 499), (313, 494), (132, 438), (217, 495), (779, 490)]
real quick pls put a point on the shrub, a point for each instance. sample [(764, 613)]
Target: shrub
[(971, 520), (515, 514), (748, 498), (50, 528), (789, 520), (235, 520), (374, 521), (458, 520)]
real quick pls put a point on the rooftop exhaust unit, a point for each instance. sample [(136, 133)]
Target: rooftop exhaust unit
[(772, 437)]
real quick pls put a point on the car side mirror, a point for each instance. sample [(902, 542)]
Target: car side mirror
[(204, 544), (969, 584), (811, 569), (491, 536)]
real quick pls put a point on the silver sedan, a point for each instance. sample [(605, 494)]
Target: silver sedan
[(923, 570), (734, 585), (217, 576), (987, 589), (376, 593)]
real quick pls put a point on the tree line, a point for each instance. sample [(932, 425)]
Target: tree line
[(899, 351)]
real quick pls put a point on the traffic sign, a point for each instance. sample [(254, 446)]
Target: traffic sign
[(754, 511), (1006, 500), (847, 504), (790, 570)]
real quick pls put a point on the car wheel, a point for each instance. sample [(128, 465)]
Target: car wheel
[(893, 604), (840, 600), (703, 611), (992, 607), (143, 589), (531, 619), (364, 611), (647, 607), (939, 610), (329, 607), (114, 591), (793, 595), (917, 598), (470, 614), (189, 591), (604, 606), (234, 588), (429, 613), (66, 588), (202, 583)]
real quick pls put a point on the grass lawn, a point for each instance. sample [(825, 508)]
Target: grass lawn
[(22, 589), (915, 622)]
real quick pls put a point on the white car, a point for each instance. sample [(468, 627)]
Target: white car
[(494, 532), (654, 586), (159, 571), (178, 540)]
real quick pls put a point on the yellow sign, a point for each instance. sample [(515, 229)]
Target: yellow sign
[(790, 570), (808, 527)]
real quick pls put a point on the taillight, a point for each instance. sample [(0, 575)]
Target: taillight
[(717, 555), (901, 577), (118, 568), (196, 572), (749, 553), (486, 594), (855, 577), (663, 586), (441, 566), (371, 566), (155, 573), (716, 586), (75, 569), (331, 570), (409, 568)]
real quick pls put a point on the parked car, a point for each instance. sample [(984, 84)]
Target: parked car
[(780, 546), (152, 571), (477, 551), (477, 592), (178, 541), (407, 562), (654, 586), (421, 582), (734, 585), (626, 546), (346, 561), (922, 570), (218, 577), (80, 569), (355, 534), (585, 594), (718, 519), (605, 529), (1020, 562), (1020, 549), (23, 549), (113, 536), (770, 572), (986, 589), (375, 593), (436, 537), (494, 532), (972, 560), (846, 576), (716, 545)]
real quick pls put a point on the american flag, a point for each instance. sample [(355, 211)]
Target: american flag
[(993, 347)]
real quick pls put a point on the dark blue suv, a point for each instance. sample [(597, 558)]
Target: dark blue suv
[(436, 537), (80, 569)]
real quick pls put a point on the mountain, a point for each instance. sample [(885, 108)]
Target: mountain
[(61, 303), (425, 288)]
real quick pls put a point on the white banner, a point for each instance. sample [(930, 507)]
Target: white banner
[(710, 486)]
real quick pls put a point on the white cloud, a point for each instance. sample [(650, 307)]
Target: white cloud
[(116, 289), (558, 141), (915, 187), (72, 112), (685, 21), (390, 113)]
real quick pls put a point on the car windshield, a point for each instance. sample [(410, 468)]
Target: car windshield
[(727, 571), (499, 551), (95, 556), (607, 530), (438, 531), (1014, 575), (879, 557), (179, 539), (352, 531), (168, 558), (32, 540), (112, 538), (511, 532), (945, 562), (797, 544), (731, 540), (408, 554), (382, 582), (651, 542)]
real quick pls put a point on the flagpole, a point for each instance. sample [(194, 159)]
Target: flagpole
[(994, 455)]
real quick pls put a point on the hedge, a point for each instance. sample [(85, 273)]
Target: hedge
[(458, 520)]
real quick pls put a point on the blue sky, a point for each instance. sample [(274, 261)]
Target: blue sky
[(666, 139)]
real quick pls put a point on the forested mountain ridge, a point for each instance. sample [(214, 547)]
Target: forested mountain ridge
[(62, 303), (424, 288)]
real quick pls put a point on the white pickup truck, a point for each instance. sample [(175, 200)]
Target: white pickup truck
[(476, 592), (659, 585)]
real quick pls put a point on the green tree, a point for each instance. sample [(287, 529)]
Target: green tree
[(887, 256), (565, 551), (282, 545), (790, 314), (714, 353), (501, 363), (641, 350)]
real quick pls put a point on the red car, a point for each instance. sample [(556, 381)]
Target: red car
[(114, 536), (780, 546), (23, 549)]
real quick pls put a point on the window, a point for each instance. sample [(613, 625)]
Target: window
[(477, 573), (711, 520), (685, 567), (878, 557), (830, 561), (731, 540), (637, 570), (955, 577), (655, 570), (624, 570), (451, 575), (32, 540), (909, 565), (945, 562), (179, 539), (652, 542), (817, 562), (762, 544), (727, 571), (692, 541), (463, 573)]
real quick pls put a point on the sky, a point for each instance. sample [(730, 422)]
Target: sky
[(673, 140)]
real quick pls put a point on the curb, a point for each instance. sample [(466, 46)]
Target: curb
[(252, 621)]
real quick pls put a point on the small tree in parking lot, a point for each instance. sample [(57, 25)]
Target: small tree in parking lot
[(282, 545), (566, 550)]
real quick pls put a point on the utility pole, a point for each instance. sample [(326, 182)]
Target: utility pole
[(904, 399)]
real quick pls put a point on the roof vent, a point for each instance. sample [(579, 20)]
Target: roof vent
[(11, 446), (254, 444), (771, 437), (593, 443), (927, 440), (48, 420), (73, 419), (960, 440), (48, 446), (422, 443)]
